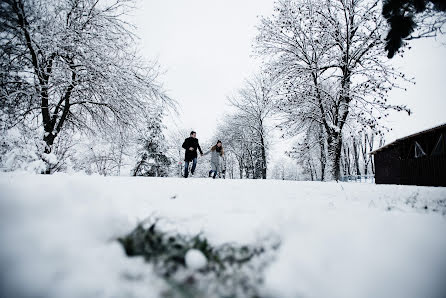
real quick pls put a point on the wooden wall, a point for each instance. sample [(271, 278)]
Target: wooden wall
[(397, 164)]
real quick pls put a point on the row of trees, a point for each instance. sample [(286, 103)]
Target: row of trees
[(246, 132), (73, 83), (355, 156), (75, 93), (325, 75)]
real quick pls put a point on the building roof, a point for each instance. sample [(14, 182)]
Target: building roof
[(408, 137)]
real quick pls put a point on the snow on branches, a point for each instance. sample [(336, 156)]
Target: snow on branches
[(332, 61), (73, 64)]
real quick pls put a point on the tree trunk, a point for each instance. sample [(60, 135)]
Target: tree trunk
[(332, 171), (138, 166), (263, 158), (356, 157), (344, 163), (240, 166), (371, 142), (311, 169), (323, 158), (346, 159)]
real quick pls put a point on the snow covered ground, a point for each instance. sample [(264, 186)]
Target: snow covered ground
[(58, 234)]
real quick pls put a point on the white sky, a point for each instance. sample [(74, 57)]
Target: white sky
[(205, 47), (426, 61)]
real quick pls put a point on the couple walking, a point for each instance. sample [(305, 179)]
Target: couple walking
[(191, 145)]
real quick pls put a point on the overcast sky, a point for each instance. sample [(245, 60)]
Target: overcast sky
[(205, 47)]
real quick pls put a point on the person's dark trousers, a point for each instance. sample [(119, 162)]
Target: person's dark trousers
[(186, 167)]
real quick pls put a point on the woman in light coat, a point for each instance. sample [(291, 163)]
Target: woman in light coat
[(217, 154)]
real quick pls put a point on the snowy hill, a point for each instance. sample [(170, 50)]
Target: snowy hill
[(58, 234)]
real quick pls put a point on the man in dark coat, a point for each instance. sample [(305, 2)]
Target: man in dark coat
[(191, 145)]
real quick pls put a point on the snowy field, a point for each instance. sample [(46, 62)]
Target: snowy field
[(58, 234)]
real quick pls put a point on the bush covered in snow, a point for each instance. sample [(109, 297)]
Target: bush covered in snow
[(21, 151)]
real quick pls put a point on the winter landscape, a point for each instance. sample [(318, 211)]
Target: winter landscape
[(264, 149), (333, 239)]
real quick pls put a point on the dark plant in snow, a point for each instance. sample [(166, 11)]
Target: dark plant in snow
[(231, 270), (412, 19)]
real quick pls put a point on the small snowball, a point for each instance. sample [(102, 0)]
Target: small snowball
[(195, 259)]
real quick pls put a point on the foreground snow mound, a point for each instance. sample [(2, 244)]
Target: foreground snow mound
[(58, 234)]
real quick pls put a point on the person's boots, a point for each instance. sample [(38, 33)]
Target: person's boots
[(210, 174), (215, 174)]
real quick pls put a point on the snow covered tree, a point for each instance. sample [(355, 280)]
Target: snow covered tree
[(286, 169), (175, 151), (72, 63), (310, 151), (20, 149), (368, 143), (350, 156), (255, 104), (152, 159), (356, 147), (105, 154), (332, 60), (235, 134), (230, 164)]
